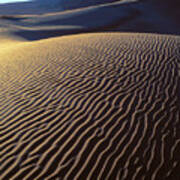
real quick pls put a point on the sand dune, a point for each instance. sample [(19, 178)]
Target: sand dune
[(90, 106), (70, 4), (29, 7), (94, 106), (90, 19), (120, 16)]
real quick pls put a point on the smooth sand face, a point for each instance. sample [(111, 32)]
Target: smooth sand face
[(121, 16), (94, 106)]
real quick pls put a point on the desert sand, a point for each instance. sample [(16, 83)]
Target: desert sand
[(80, 99)]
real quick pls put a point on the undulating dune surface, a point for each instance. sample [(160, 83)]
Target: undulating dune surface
[(90, 89), (119, 16), (91, 106)]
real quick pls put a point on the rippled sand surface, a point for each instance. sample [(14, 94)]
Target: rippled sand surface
[(94, 106)]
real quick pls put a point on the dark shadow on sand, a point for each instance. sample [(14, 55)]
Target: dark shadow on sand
[(12, 18)]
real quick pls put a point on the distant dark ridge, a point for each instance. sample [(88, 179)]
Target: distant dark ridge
[(12, 18), (170, 7)]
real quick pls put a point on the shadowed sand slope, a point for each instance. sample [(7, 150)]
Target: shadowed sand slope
[(95, 106), (89, 19), (71, 4), (120, 16)]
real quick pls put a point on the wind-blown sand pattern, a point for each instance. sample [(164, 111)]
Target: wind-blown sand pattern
[(94, 106)]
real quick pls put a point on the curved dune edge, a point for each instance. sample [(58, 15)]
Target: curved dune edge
[(94, 106)]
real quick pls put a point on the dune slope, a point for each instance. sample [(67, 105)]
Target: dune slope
[(94, 106)]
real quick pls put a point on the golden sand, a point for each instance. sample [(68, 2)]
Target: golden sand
[(94, 106)]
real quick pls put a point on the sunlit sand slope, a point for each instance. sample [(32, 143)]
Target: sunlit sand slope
[(95, 106)]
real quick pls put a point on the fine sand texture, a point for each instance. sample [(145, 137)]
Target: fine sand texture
[(100, 106)]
